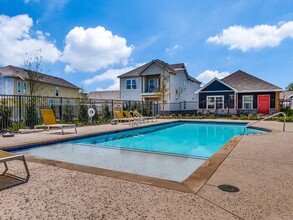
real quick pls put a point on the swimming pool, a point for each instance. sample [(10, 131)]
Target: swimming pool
[(169, 151), (191, 139)]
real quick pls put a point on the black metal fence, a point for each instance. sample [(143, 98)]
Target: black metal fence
[(24, 111)]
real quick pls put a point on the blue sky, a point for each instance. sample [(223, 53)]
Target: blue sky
[(90, 42)]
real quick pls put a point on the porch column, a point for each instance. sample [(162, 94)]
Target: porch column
[(277, 101), (143, 84)]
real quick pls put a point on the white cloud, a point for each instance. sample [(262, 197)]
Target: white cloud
[(208, 75), (109, 75), (172, 50), (257, 37), (94, 48), (17, 39)]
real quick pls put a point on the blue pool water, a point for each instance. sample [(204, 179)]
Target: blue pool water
[(170, 151), (192, 139)]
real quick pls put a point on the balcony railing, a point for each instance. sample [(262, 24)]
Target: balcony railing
[(150, 90)]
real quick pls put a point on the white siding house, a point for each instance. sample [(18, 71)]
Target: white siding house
[(157, 81)]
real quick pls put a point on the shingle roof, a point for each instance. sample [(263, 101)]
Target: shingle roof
[(172, 68), (12, 71), (243, 81), (286, 95)]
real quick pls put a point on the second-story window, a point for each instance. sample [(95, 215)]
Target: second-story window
[(18, 86), (57, 91), (152, 85), (24, 87), (131, 84)]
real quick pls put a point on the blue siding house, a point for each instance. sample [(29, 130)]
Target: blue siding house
[(239, 93)]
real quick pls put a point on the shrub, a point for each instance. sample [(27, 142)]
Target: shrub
[(5, 115), (106, 112), (31, 113), (234, 117), (243, 117), (68, 113), (250, 116)]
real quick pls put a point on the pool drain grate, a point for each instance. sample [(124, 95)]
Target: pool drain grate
[(228, 188)]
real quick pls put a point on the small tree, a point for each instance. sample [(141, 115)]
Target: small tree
[(5, 115), (164, 91), (82, 106), (290, 87), (33, 66), (106, 112), (68, 113), (31, 114)]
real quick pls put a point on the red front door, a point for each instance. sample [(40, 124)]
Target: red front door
[(263, 104)]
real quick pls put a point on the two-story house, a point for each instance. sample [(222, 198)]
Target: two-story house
[(15, 81), (161, 83)]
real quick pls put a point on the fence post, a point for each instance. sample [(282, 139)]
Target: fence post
[(112, 113), (19, 109), (60, 110)]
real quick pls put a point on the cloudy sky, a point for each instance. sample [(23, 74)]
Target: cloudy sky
[(90, 42)]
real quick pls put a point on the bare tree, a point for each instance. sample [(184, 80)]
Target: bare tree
[(164, 91), (33, 66)]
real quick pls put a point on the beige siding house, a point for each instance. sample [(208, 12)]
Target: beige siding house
[(15, 81)]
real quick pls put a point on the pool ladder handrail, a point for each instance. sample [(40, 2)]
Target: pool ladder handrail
[(265, 118)]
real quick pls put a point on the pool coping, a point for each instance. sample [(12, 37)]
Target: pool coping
[(191, 184)]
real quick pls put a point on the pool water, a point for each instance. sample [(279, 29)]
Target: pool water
[(171, 151), (200, 140)]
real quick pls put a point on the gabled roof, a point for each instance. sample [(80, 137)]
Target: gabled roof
[(171, 68), (12, 71), (243, 81), (213, 80)]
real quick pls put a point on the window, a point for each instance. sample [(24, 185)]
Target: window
[(56, 91), (215, 102), (131, 84), (128, 84), (247, 101), (18, 87), (183, 85), (24, 87), (152, 85)]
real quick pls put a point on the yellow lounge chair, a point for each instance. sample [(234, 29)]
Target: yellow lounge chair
[(135, 119), (4, 158), (128, 115), (50, 121), (144, 117), (121, 118)]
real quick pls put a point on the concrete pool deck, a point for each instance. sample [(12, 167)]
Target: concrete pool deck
[(260, 165)]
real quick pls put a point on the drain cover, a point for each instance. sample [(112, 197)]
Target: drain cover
[(228, 188)]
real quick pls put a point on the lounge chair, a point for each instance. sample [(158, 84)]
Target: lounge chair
[(121, 118), (144, 117), (50, 121), (128, 115), (4, 158), (135, 118)]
